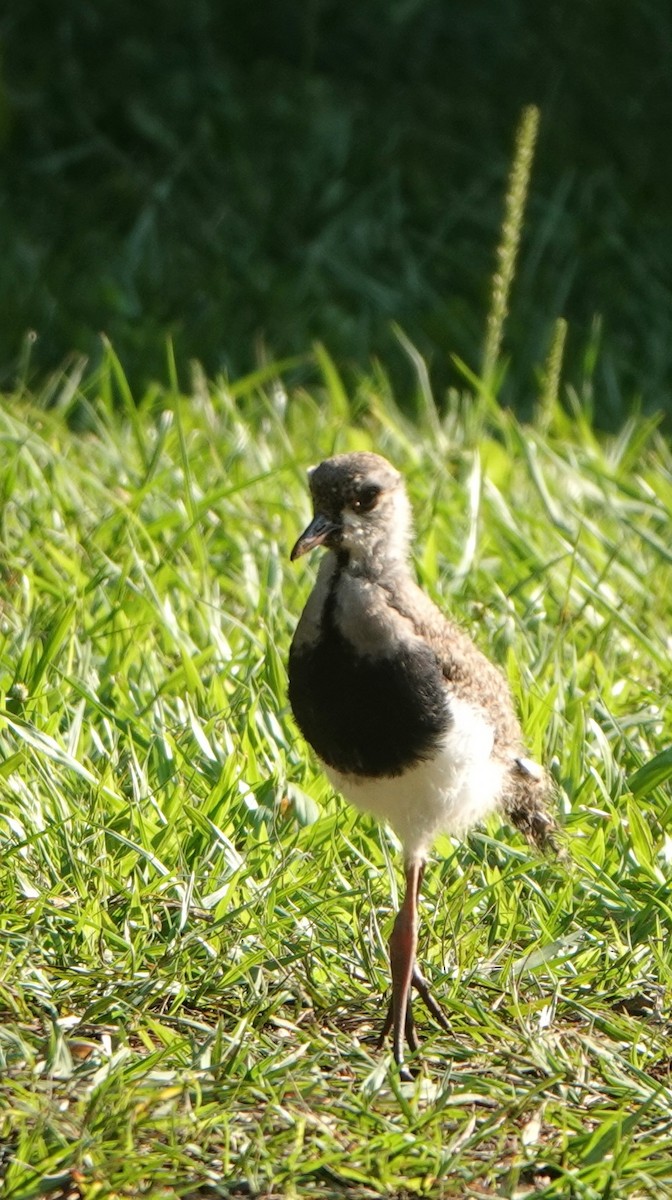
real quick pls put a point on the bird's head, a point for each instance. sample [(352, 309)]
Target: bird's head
[(360, 511)]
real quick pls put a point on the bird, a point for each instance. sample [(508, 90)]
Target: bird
[(408, 718)]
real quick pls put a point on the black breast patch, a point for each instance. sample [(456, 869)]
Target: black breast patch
[(365, 715)]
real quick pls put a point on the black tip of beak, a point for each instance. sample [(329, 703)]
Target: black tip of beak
[(316, 534), (298, 549)]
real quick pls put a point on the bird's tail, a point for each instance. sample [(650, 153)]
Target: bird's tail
[(527, 801)]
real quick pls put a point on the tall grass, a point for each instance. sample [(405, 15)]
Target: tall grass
[(193, 926)]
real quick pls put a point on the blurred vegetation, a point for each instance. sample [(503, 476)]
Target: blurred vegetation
[(248, 178)]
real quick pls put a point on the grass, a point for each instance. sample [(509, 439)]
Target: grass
[(193, 926)]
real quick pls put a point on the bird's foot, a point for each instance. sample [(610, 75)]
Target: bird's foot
[(419, 982)]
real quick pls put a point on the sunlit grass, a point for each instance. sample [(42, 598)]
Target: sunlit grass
[(193, 927)]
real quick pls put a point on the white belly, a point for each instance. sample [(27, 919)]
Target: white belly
[(446, 794)]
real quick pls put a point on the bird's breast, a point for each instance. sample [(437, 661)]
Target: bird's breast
[(373, 714)]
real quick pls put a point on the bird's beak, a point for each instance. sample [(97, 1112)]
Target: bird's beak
[(314, 535)]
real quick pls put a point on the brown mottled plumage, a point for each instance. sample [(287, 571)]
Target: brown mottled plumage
[(410, 720)]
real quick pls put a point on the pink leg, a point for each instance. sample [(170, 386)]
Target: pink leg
[(403, 943), (405, 972)]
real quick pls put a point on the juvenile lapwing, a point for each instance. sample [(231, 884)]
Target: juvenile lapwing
[(410, 721)]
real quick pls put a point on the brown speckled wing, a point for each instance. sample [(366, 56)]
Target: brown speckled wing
[(471, 676)]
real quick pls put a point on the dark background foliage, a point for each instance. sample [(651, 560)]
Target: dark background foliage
[(245, 175)]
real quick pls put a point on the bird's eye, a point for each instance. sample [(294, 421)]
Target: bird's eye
[(366, 498)]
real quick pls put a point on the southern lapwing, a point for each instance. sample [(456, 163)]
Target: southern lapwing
[(410, 721)]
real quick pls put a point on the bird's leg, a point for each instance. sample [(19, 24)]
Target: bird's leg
[(405, 972), (403, 944)]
